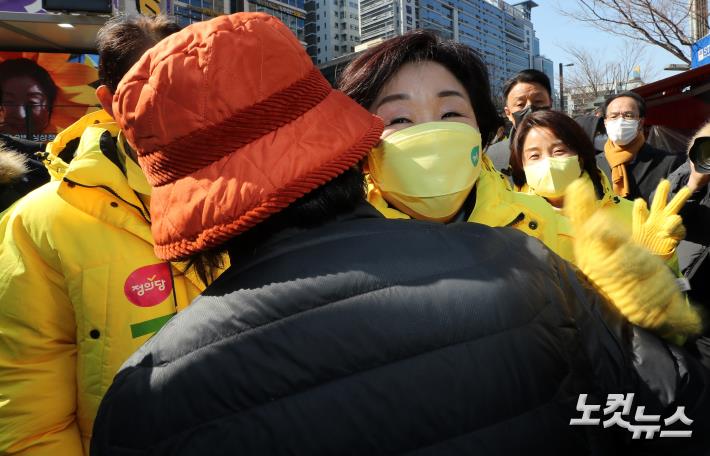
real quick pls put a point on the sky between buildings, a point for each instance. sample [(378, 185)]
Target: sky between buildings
[(556, 31)]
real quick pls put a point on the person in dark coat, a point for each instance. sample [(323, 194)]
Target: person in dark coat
[(526, 92), (593, 126), (334, 330), (633, 166), (694, 251)]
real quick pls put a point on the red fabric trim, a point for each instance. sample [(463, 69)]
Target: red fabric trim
[(278, 200), (192, 152)]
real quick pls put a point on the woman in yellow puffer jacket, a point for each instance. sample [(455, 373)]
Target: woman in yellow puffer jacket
[(434, 98), (550, 151)]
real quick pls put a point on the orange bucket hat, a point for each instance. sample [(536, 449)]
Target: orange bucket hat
[(232, 123)]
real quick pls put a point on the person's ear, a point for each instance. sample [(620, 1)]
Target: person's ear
[(105, 96), (641, 119), (508, 114)]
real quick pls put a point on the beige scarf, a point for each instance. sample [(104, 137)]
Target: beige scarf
[(617, 157)]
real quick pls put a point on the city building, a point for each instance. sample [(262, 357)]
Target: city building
[(332, 28), (586, 99), (187, 12), (382, 19), (290, 12), (542, 63), (502, 33)]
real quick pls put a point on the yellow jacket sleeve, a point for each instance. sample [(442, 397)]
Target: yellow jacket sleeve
[(37, 349)]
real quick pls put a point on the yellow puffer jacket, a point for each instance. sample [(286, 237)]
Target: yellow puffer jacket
[(620, 209), (80, 291), (497, 205)]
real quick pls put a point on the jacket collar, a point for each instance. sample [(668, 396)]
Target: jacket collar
[(96, 167), (274, 242), (494, 198)]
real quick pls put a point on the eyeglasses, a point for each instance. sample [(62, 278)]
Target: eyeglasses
[(628, 115)]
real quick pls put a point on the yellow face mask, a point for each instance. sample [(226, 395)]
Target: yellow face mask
[(551, 176), (427, 170)]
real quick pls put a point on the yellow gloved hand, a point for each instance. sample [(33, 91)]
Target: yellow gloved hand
[(662, 228), (636, 282)]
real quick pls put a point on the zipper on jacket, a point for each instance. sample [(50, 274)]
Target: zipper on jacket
[(108, 189), (517, 219)]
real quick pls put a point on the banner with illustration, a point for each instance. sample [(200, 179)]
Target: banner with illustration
[(43, 93)]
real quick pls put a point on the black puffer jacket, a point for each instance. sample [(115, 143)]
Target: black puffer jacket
[(368, 336)]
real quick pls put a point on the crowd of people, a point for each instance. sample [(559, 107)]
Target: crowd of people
[(233, 257)]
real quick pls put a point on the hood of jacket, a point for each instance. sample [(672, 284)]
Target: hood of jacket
[(98, 160)]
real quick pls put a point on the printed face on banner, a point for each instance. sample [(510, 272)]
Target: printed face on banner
[(43, 93)]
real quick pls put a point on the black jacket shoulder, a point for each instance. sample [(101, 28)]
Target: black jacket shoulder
[(369, 336)]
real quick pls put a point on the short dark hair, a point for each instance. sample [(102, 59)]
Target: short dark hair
[(640, 102), (568, 131), (529, 76), (122, 41), (365, 76), (325, 203), (25, 67)]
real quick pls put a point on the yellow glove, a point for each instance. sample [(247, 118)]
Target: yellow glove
[(662, 228), (636, 282)]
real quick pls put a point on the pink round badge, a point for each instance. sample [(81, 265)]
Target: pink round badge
[(149, 286)]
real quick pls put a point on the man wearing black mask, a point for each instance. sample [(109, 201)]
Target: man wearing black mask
[(526, 92)]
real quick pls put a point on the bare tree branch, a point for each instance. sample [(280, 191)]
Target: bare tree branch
[(595, 75), (662, 23)]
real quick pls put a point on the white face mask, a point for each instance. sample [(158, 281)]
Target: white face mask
[(550, 177), (622, 131)]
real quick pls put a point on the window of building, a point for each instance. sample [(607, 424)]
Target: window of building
[(336, 48)]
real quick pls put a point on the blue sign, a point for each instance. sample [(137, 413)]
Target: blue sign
[(701, 52)]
